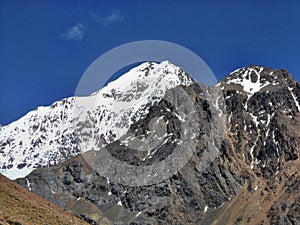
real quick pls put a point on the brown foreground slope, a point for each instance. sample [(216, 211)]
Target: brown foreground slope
[(19, 206)]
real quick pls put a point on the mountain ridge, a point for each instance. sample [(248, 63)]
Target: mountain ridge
[(64, 143), (253, 178), (46, 135)]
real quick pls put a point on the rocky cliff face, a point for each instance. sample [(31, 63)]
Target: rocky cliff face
[(263, 132), (253, 179)]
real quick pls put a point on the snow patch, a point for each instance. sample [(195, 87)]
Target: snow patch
[(139, 213), (205, 208), (28, 184), (295, 99)]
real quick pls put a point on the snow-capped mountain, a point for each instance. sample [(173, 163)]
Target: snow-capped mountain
[(254, 178), (47, 135)]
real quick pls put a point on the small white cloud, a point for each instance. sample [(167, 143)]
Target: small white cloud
[(115, 16), (74, 33)]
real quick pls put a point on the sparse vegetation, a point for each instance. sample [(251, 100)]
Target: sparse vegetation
[(19, 206)]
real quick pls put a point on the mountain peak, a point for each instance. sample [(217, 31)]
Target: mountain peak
[(46, 136), (254, 78), (157, 71)]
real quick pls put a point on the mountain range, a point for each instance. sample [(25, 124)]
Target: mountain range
[(156, 147)]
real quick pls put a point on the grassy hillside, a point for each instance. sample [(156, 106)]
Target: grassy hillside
[(19, 206)]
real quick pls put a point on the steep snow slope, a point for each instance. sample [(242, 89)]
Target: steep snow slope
[(47, 135)]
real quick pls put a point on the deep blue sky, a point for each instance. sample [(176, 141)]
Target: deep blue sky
[(45, 46)]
